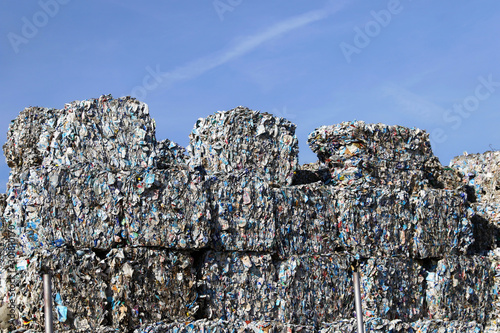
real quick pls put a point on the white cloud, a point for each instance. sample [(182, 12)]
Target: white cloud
[(249, 43), (414, 105)]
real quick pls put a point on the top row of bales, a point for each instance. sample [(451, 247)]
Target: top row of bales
[(93, 175)]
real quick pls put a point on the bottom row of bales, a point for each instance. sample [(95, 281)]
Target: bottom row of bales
[(128, 288)]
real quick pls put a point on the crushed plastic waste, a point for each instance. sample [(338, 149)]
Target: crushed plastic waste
[(239, 286), (482, 173), (148, 285), (356, 152), (315, 289), (222, 326), (392, 288), (232, 235), (441, 223), (110, 133), (241, 139), (78, 290), (460, 288), (243, 213)]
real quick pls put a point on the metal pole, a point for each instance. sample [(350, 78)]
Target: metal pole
[(359, 307), (47, 296)]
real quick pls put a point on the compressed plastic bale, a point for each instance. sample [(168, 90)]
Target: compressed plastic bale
[(374, 221), (392, 288), (315, 289), (441, 326), (170, 154), (339, 326), (441, 223), (306, 219), (39, 208), (221, 326), (52, 206), (241, 139), (384, 142), (111, 133), (373, 325), (149, 285), (168, 208), (460, 288), (357, 150), (494, 257), (238, 286), (243, 213), (482, 173), (78, 290), (96, 200)]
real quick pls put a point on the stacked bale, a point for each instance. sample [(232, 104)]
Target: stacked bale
[(242, 139), (236, 237)]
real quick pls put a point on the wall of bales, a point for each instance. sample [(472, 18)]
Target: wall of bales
[(233, 235)]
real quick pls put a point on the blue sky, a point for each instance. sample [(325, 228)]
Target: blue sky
[(416, 63)]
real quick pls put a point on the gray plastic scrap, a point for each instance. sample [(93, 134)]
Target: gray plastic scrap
[(78, 289), (441, 223), (482, 173), (221, 326), (87, 207), (39, 208), (241, 139), (315, 289), (306, 219), (150, 285), (492, 326), (359, 152), (170, 154), (392, 288), (374, 325), (494, 257), (167, 208), (441, 326), (374, 221), (460, 289), (244, 214), (239, 286), (110, 133)]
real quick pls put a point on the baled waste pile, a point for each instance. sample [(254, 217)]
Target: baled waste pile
[(231, 234)]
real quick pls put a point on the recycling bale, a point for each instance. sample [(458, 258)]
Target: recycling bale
[(78, 290), (222, 326), (238, 286), (446, 326), (460, 288), (392, 288), (339, 326), (111, 133), (481, 172), (441, 223), (150, 285), (39, 209), (356, 151), (168, 208), (315, 289), (374, 324), (306, 219), (243, 213), (374, 221), (239, 139), (170, 154), (494, 257)]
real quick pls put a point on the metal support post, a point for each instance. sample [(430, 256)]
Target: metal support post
[(357, 296), (47, 296)]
